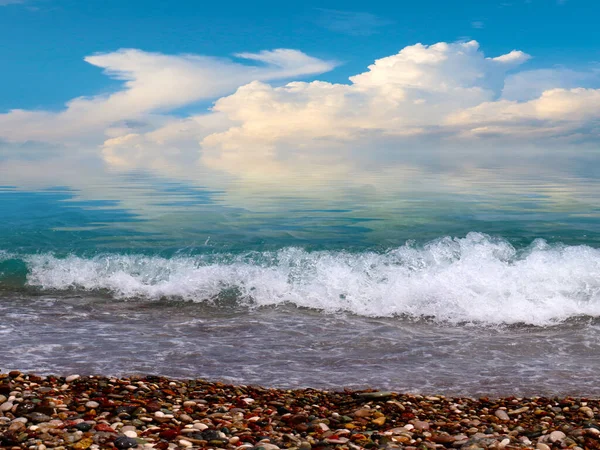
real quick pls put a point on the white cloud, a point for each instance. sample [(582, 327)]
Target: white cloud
[(445, 108), (408, 95), (153, 83)]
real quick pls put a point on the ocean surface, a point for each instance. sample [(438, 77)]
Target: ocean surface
[(490, 288)]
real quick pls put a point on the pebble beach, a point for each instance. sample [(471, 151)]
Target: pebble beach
[(94, 412)]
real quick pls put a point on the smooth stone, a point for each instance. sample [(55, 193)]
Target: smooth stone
[(363, 412), (84, 426), (185, 443), (39, 417), (503, 443), (557, 436), (6, 406), (71, 378), (200, 426), (73, 437), (83, 444), (379, 421), (323, 427), (420, 425), (16, 427), (130, 434), (92, 405), (124, 442), (542, 446), (502, 415)]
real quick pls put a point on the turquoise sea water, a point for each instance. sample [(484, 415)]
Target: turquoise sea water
[(487, 286)]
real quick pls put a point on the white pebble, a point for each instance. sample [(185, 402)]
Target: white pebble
[(503, 443), (159, 414), (130, 434), (200, 426), (92, 404), (71, 378), (557, 436), (185, 443), (6, 406), (502, 415)]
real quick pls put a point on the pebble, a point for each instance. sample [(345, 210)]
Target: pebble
[(6, 406), (71, 378), (502, 415), (419, 425), (379, 421), (557, 436), (164, 414), (124, 442)]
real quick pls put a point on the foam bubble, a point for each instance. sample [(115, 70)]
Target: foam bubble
[(476, 279)]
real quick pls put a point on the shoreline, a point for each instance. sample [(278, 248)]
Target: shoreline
[(94, 412)]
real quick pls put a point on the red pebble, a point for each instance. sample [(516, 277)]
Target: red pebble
[(169, 434), (104, 427)]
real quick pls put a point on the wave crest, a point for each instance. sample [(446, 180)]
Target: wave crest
[(477, 278)]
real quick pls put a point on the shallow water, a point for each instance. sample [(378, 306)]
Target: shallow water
[(287, 346)]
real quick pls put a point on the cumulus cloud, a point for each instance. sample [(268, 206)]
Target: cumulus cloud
[(153, 83), (445, 108)]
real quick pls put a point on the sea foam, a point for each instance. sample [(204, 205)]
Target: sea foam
[(475, 279)]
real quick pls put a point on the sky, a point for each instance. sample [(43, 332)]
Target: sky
[(264, 91)]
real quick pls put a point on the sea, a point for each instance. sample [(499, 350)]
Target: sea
[(490, 287)]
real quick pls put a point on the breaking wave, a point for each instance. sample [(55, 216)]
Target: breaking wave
[(476, 279)]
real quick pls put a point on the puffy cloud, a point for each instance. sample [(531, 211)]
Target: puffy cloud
[(556, 113), (406, 95), (153, 83), (445, 109), (422, 107)]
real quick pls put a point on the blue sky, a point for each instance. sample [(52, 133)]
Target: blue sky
[(285, 95), (44, 41)]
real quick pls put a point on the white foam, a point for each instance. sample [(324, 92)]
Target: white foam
[(473, 279)]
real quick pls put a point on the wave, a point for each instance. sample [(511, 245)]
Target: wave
[(476, 279)]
